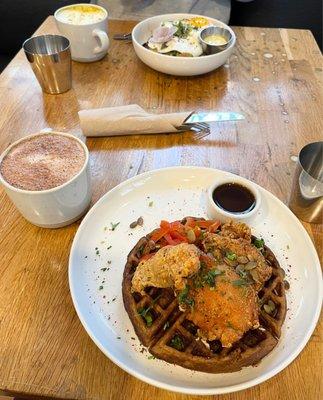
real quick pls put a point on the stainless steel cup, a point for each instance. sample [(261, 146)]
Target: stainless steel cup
[(215, 30), (306, 200), (50, 59)]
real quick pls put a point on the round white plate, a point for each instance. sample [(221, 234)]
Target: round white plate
[(98, 257)]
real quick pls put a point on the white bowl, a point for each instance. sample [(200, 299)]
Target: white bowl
[(182, 66)]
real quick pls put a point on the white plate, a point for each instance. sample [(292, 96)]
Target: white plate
[(176, 193)]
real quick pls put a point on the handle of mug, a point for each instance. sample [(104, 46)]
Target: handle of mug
[(103, 39)]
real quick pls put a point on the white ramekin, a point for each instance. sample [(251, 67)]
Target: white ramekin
[(215, 212), (56, 207)]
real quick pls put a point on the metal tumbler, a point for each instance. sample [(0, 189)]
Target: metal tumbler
[(50, 59), (306, 200)]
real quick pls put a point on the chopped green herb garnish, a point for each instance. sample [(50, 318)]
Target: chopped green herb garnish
[(183, 294), (100, 287), (109, 247), (118, 337), (182, 30), (113, 226), (151, 357), (209, 278), (206, 277), (259, 243), (149, 319), (231, 256), (190, 302), (177, 343), (151, 203), (146, 314), (97, 252), (103, 269), (240, 282), (184, 299)]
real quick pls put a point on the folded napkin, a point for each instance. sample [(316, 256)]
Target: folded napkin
[(128, 120)]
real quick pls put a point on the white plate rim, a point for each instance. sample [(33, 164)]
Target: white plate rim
[(183, 389)]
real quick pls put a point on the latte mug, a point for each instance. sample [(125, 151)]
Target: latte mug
[(85, 26)]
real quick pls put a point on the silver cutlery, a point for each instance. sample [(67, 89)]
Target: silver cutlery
[(201, 129), (198, 122), (214, 116)]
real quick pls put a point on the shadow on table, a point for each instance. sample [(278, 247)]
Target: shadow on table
[(152, 142)]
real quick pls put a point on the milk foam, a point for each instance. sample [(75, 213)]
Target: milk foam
[(81, 15)]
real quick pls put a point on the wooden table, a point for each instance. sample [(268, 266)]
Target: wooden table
[(44, 351)]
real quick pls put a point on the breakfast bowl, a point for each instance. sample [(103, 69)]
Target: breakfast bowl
[(180, 66)]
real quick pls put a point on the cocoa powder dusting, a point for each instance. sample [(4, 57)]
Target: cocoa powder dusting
[(42, 162)]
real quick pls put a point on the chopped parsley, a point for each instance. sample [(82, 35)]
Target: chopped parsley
[(182, 30), (259, 243), (146, 314), (177, 343), (183, 294), (184, 299), (100, 287), (209, 278), (151, 203), (231, 256), (206, 277), (113, 226), (151, 357)]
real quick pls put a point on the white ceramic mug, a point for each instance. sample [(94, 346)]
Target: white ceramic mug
[(89, 41), (56, 207)]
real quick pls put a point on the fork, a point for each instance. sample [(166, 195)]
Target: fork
[(201, 129)]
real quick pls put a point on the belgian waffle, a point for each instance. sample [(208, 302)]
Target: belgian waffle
[(169, 325)]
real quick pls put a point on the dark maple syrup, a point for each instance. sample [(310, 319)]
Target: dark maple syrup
[(234, 198)]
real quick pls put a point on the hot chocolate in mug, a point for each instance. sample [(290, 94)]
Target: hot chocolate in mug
[(85, 26)]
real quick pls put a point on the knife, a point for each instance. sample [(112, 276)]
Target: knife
[(213, 116)]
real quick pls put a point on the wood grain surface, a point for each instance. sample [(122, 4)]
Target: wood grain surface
[(44, 350)]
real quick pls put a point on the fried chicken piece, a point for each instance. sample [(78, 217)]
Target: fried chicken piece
[(225, 311), (236, 230), (241, 254), (169, 267)]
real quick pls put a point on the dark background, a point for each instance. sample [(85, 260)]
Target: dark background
[(298, 14), (20, 18)]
